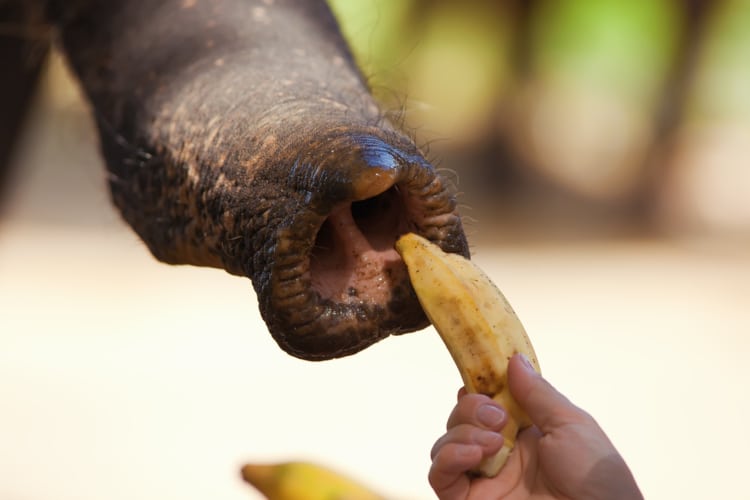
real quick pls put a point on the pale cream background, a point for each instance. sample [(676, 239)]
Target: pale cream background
[(122, 378)]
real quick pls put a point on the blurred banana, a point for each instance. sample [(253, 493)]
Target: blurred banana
[(304, 481), (477, 325)]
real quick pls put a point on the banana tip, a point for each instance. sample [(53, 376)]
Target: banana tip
[(259, 475)]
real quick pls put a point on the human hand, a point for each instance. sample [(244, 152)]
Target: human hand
[(565, 454)]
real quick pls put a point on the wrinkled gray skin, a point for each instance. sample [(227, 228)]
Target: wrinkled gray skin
[(239, 134)]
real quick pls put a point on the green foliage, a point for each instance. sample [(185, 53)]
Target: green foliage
[(628, 44)]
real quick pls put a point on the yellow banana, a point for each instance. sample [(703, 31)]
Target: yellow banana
[(477, 325), (304, 481)]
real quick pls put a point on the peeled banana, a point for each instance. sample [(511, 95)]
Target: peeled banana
[(304, 481), (477, 325)]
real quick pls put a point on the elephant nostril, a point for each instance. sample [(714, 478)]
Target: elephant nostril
[(334, 283), (354, 258), (382, 218)]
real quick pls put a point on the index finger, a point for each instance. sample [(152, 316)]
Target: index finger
[(477, 410)]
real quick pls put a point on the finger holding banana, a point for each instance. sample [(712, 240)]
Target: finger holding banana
[(477, 411)]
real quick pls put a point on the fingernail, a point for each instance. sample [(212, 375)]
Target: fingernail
[(490, 416), (488, 438), (526, 363)]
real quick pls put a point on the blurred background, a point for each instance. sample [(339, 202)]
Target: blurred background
[(627, 114), (602, 152)]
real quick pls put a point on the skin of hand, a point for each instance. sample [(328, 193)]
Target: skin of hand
[(565, 454)]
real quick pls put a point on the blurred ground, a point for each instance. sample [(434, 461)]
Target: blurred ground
[(123, 378)]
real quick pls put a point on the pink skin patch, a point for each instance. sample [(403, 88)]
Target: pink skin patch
[(354, 259)]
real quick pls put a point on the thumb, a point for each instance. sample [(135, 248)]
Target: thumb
[(546, 407)]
